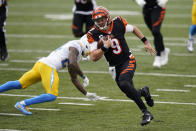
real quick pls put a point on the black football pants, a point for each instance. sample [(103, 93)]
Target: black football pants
[(153, 18), (124, 76), (78, 22), (3, 48)]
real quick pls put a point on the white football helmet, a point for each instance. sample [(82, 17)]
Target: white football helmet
[(85, 46)]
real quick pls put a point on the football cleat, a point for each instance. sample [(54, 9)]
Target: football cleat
[(146, 93), (157, 62), (23, 109), (147, 117), (4, 56), (164, 56), (190, 47)]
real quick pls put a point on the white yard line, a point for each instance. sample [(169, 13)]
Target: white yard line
[(50, 24), (190, 86), (68, 16), (11, 114), (107, 99), (44, 109), (78, 104), (1, 64), (172, 90), (106, 72), (63, 36), (13, 130)]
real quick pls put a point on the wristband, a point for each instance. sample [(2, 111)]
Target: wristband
[(104, 49), (144, 40)]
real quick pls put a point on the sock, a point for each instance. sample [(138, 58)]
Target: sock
[(192, 31), (40, 99), (10, 85)]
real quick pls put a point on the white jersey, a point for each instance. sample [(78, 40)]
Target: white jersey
[(59, 58)]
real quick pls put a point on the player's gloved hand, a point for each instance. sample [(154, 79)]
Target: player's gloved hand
[(86, 58), (86, 80), (92, 96)]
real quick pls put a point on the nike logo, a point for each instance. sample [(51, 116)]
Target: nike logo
[(148, 120)]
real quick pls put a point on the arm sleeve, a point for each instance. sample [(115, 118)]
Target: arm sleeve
[(129, 28)]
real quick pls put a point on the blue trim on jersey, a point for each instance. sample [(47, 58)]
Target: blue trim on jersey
[(10, 85), (40, 99), (52, 79), (192, 30)]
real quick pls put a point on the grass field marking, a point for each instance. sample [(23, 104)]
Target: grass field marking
[(50, 24), (172, 90), (107, 99), (78, 104), (44, 109), (174, 103), (4, 64), (136, 51), (13, 130), (11, 114), (190, 86), (106, 72), (113, 12), (72, 37)]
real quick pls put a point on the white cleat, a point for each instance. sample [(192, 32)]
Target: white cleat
[(190, 47), (157, 62), (164, 56)]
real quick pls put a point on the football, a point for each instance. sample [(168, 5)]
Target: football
[(100, 43)]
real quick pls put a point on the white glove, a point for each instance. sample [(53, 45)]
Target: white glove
[(112, 72), (162, 3), (92, 96), (141, 2), (86, 81), (86, 58)]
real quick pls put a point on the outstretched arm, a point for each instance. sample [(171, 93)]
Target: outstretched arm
[(75, 70), (147, 45)]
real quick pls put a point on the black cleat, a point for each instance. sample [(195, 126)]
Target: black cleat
[(147, 96), (4, 57), (147, 117)]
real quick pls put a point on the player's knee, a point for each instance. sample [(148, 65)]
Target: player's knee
[(14, 84), (156, 32), (77, 33), (124, 86), (50, 97)]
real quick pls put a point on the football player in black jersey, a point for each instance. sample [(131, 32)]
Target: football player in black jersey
[(82, 16), (154, 13), (121, 61), (3, 15)]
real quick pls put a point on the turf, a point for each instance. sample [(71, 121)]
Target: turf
[(30, 35)]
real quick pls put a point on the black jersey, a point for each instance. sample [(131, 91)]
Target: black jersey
[(84, 5), (150, 3), (119, 51)]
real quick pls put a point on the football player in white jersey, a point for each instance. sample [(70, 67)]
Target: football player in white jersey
[(45, 70)]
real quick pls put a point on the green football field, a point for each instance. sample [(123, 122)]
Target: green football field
[(36, 27)]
